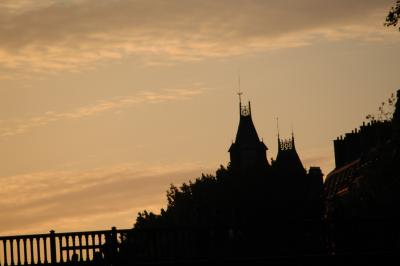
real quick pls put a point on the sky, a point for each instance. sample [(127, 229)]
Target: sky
[(104, 104)]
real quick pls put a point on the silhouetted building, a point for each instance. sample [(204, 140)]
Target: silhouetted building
[(294, 191), (287, 198), (360, 141), (250, 209), (247, 150), (287, 160), (351, 152), (362, 192)]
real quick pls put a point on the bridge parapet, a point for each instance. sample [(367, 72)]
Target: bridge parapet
[(58, 248)]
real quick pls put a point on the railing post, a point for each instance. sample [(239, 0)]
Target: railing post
[(112, 245), (114, 235), (5, 252), (31, 250), (53, 256), (12, 251)]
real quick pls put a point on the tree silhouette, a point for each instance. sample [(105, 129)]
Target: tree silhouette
[(393, 15), (228, 214), (385, 110)]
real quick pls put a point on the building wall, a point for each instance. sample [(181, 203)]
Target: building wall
[(358, 142)]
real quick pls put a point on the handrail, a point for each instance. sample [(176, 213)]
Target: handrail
[(59, 247)]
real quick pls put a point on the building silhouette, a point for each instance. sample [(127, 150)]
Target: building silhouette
[(252, 208), (247, 151), (362, 192), (286, 174), (286, 198)]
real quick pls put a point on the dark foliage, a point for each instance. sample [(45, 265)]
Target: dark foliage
[(385, 110), (230, 214), (393, 17)]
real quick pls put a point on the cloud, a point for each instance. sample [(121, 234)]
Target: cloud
[(88, 199), (71, 35), (17, 126)]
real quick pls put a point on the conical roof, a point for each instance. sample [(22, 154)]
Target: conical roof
[(246, 135), (247, 150)]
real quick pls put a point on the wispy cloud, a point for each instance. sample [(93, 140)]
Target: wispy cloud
[(87, 199), (22, 125), (71, 35)]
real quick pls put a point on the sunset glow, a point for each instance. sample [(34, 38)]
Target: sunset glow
[(104, 104)]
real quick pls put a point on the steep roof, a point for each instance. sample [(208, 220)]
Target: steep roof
[(287, 159), (246, 135)]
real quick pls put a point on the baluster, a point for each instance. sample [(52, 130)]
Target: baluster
[(100, 237), (80, 247), (12, 251), (45, 249), (24, 242), (86, 238), (32, 254), (106, 243), (98, 240), (5, 252), (53, 247), (61, 249), (18, 251), (73, 244), (104, 246), (67, 241), (39, 257), (89, 246), (93, 244)]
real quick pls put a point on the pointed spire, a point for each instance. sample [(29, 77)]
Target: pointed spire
[(277, 128), (249, 109), (247, 140), (293, 147), (240, 101), (239, 93)]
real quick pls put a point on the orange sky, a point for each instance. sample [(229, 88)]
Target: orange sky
[(105, 103)]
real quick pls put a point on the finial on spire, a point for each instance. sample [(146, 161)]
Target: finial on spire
[(240, 96), (292, 136), (277, 126), (239, 91), (277, 129), (291, 125)]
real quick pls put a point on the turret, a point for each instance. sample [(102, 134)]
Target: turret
[(247, 150), (287, 160)]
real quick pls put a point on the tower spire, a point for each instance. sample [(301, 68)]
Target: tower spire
[(292, 136), (239, 94), (277, 129), (247, 150)]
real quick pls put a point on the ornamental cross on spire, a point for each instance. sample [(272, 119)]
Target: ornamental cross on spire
[(240, 96), (239, 92)]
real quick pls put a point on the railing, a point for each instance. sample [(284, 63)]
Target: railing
[(55, 248)]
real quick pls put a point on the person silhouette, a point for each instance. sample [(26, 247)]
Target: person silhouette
[(75, 259)]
